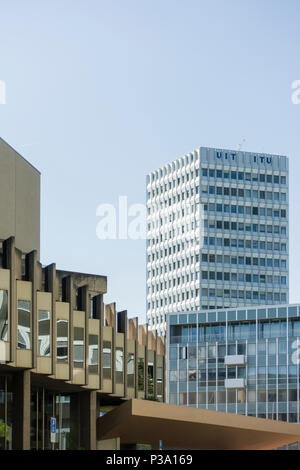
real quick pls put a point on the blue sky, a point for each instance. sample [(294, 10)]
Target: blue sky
[(100, 92)]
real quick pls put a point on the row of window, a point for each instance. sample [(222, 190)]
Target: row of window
[(248, 210), (244, 176), (62, 338), (175, 298), (218, 276), (160, 220), (220, 259), (209, 305), (62, 344), (176, 165), (244, 260), (243, 277), (158, 287), (244, 193), (238, 331), (254, 244), (235, 332), (242, 294), (212, 258), (189, 242), (272, 396), (172, 184), (241, 227), (220, 294), (213, 376)]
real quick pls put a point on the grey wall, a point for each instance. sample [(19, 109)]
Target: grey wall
[(19, 200)]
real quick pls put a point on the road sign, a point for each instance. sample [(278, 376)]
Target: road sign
[(53, 430)]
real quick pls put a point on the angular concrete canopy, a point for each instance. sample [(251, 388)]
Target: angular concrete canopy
[(181, 427)]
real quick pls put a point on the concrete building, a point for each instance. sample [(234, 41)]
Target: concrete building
[(64, 354), (243, 361), (20, 200), (218, 234)]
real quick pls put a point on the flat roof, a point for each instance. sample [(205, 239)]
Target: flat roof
[(181, 427), (77, 273), (216, 149)]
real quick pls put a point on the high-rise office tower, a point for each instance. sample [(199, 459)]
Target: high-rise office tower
[(217, 233)]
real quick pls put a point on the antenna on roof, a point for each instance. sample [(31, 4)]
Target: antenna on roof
[(241, 145)]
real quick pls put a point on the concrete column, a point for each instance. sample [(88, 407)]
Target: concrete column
[(31, 275), (84, 306), (21, 426), (88, 409), (68, 295), (9, 260), (50, 286), (122, 327), (110, 320), (98, 313)]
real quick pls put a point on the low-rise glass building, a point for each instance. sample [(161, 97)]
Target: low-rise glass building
[(243, 361)]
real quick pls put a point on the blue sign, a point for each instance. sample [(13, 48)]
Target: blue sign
[(53, 430), (232, 156), (53, 425)]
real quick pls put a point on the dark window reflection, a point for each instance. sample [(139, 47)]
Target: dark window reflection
[(93, 360), (107, 359), (119, 365), (43, 333), (62, 340), (24, 324), (78, 347), (3, 314), (130, 370)]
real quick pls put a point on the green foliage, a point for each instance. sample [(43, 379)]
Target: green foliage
[(141, 375)]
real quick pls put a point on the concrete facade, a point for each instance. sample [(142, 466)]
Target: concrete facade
[(217, 233), (19, 200), (64, 354)]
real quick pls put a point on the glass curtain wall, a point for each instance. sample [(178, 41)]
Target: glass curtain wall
[(45, 405), (6, 412)]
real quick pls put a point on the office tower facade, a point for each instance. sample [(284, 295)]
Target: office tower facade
[(217, 233), (243, 361)]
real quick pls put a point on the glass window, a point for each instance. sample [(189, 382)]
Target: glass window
[(231, 396), (62, 340), (3, 314), (78, 347), (130, 370), (119, 365), (272, 347), (24, 324), (6, 412), (150, 377), (202, 398), (93, 360), (282, 395), (44, 333), (261, 395), (106, 359)]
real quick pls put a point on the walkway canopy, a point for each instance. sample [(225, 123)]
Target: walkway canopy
[(181, 427)]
